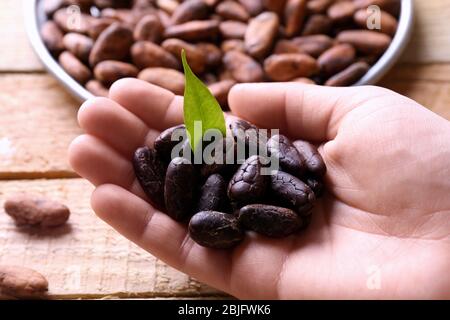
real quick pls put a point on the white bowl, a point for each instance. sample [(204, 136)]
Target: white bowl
[(35, 17)]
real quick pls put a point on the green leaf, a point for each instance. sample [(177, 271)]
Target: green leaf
[(200, 105)]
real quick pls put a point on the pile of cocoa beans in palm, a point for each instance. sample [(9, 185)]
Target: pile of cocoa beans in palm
[(222, 200), (314, 41)]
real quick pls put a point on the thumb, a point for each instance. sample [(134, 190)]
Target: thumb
[(301, 111)]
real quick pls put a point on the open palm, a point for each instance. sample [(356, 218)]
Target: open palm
[(381, 231)]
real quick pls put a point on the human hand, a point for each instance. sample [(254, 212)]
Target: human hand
[(381, 231)]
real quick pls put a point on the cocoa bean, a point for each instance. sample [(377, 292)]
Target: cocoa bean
[(261, 34), (146, 54), (349, 75), (242, 67), (169, 79), (285, 67)]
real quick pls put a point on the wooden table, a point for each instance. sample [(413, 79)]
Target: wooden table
[(88, 259)]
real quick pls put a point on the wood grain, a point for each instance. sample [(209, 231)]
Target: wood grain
[(39, 119), (86, 258), (16, 52)]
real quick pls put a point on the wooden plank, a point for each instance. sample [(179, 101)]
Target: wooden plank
[(37, 123), (86, 258), (429, 42), (425, 72), (433, 95), (16, 52)]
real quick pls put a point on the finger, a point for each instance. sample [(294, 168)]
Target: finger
[(159, 234), (100, 164), (113, 124), (157, 107), (299, 110)]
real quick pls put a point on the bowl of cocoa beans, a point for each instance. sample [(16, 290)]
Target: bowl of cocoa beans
[(89, 44)]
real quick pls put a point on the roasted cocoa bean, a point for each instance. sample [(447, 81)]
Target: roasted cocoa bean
[(150, 171), (213, 194), (180, 189), (168, 139), (248, 185), (313, 160), (271, 221), (216, 230), (292, 192), (280, 147)]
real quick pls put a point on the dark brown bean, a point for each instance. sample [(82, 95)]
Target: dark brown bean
[(213, 194), (150, 172), (180, 189), (280, 147), (313, 160), (292, 192), (248, 185), (271, 221), (216, 230), (167, 140), (316, 185)]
